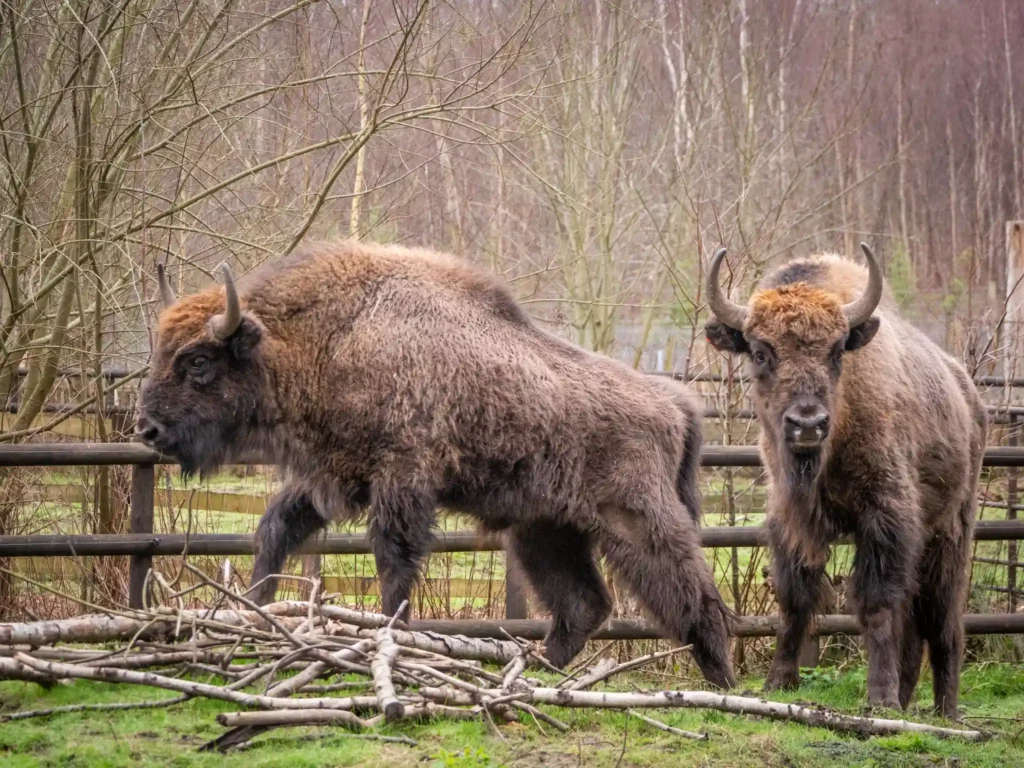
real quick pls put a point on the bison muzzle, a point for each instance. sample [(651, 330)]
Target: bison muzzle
[(394, 381)]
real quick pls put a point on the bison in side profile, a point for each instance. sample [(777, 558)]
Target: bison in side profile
[(396, 381), (869, 430)]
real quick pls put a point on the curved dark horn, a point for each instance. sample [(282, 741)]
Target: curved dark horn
[(166, 292), (727, 311), (859, 310), (225, 324)]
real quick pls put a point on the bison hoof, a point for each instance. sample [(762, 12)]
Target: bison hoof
[(782, 679), (724, 680), (879, 701), (557, 658), (955, 713)]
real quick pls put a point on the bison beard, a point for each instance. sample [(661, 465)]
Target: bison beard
[(392, 382)]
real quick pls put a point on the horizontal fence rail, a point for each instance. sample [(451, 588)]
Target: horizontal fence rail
[(121, 372), (107, 454), (744, 626), (224, 544)]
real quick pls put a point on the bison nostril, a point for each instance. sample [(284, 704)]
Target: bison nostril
[(148, 430), (817, 419)]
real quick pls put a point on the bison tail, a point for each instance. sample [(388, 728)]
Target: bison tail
[(688, 476)]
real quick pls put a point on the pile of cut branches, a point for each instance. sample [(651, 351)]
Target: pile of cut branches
[(276, 662)]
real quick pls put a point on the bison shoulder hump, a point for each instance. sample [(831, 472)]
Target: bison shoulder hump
[(801, 271), (504, 305)]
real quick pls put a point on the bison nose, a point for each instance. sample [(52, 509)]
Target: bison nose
[(150, 431), (806, 425)]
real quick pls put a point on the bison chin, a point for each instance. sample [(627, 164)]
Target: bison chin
[(802, 467), (199, 451)]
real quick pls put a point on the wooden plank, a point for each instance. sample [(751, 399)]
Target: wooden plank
[(209, 544), (516, 606), (206, 500), (141, 521), (746, 626), (224, 544), (74, 426), (96, 454)]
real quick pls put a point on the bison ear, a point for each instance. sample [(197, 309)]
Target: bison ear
[(725, 339), (244, 341), (862, 334)]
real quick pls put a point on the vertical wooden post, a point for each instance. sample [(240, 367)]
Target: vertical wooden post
[(143, 481), (1011, 514), (1013, 342), (312, 568), (1013, 323), (515, 593)]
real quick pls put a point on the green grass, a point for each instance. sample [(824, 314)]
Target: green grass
[(170, 737)]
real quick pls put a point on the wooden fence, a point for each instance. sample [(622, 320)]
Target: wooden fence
[(142, 544)]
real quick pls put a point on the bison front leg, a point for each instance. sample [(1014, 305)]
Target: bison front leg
[(290, 519), (400, 533), (885, 562), (797, 586)]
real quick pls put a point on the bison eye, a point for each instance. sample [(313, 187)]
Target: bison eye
[(836, 357), (760, 358), (198, 362)]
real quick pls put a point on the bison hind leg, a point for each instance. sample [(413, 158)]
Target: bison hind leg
[(559, 563), (939, 609), (657, 553), (911, 653)]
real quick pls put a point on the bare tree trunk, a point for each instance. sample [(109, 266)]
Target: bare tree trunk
[(357, 185), (1013, 144)]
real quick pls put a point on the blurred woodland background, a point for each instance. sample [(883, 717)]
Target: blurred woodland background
[(589, 153)]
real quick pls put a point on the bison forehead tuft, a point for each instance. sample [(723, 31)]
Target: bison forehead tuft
[(188, 319), (797, 311)]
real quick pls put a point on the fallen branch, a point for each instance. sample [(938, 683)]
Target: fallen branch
[(109, 675), (668, 728), (743, 705), (292, 717), (598, 675), (112, 707), (387, 699), (10, 669)]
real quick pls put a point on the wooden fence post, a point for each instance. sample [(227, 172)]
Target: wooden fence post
[(1011, 514), (312, 568), (1013, 322), (515, 594), (1013, 341), (143, 482)]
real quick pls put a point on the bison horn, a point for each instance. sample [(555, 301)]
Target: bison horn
[(728, 312), (859, 310), (225, 324), (166, 292)]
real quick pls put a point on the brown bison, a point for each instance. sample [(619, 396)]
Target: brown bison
[(868, 430), (396, 381)]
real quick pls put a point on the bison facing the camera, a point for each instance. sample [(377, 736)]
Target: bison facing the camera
[(396, 381), (868, 429)]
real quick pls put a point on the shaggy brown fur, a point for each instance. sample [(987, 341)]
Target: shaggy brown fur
[(897, 469), (399, 380)]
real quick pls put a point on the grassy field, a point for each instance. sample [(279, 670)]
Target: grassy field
[(170, 737)]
